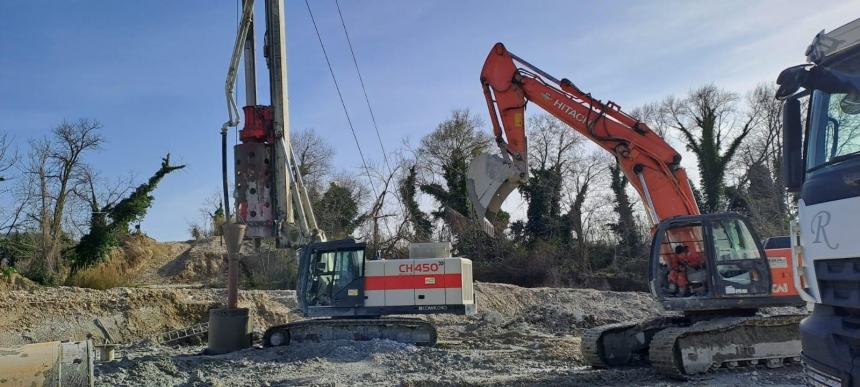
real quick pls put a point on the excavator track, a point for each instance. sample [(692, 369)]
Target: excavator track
[(403, 330), (682, 352), (592, 344), (622, 344)]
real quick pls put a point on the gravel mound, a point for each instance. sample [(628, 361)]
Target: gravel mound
[(386, 363)]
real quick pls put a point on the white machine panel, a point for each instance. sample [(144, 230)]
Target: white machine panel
[(397, 289), (373, 296)]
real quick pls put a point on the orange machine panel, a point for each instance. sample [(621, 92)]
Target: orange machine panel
[(781, 264)]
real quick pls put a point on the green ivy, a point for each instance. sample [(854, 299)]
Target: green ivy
[(112, 222), (422, 227)]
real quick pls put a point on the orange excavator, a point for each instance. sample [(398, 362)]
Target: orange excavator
[(710, 268)]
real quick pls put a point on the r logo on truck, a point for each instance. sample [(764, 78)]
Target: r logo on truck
[(819, 222)]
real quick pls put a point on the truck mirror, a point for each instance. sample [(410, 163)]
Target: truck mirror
[(791, 80), (792, 143)]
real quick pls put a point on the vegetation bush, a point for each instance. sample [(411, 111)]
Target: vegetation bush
[(120, 268), (105, 275), (269, 269)]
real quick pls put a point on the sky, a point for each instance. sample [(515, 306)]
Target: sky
[(153, 72)]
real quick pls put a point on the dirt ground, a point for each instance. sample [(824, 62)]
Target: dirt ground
[(519, 337)]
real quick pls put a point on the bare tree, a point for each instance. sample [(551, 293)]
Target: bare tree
[(760, 185), (553, 149), (55, 166), (419, 222), (39, 172), (376, 215), (458, 137), (356, 186), (8, 156), (444, 156), (713, 128), (94, 193), (314, 155), (585, 174), (652, 115), (552, 144), (630, 242), (210, 217), (8, 162)]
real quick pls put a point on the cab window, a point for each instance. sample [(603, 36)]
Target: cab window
[(733, 241), (332, 271), (735, 250)]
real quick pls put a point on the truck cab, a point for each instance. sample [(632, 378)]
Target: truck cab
[(821, 156)]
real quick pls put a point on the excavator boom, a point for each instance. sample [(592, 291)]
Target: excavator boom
[(651, 165)]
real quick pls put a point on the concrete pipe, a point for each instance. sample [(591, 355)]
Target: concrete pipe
[(229, 330)]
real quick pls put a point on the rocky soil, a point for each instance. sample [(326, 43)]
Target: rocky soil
[(519, 337), (130, 315)]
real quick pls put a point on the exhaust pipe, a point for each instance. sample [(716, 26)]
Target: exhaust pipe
[(489, 181)]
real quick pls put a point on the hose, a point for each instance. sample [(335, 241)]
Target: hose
[(232, 109), (224, 180)]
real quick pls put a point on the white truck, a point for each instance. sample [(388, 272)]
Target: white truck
[(822, 165)]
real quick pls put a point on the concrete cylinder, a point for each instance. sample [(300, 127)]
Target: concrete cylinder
[(229, 330)]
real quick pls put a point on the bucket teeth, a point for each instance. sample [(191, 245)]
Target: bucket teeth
[(489, 181)]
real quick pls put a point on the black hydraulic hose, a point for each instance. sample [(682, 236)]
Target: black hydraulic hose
[(224, 176)]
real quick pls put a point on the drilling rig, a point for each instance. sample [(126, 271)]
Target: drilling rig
[(339, 282)]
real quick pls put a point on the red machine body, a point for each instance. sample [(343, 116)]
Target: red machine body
[(254, 174), (258, 124)]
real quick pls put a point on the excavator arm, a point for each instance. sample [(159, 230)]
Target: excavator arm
[(651, 165)]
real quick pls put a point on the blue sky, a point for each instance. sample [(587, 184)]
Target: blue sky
[(153, 71)]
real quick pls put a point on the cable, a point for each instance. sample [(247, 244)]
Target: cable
[(367, 100), (363, 88), (342, 103), (345, 111)]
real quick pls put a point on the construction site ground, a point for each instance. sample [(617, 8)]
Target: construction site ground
[(521, 336)]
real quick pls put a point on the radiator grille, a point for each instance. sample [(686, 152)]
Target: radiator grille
[(839, 281)]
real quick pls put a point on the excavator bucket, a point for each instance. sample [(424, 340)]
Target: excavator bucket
[(489, 180)]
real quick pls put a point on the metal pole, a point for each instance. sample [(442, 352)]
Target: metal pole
[(250, 66), (277, 60)]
